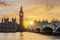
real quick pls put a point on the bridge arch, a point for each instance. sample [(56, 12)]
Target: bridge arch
[(37, 29), (57, 30), (47, 30)]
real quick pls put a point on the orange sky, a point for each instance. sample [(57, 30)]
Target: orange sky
[(33, 9)]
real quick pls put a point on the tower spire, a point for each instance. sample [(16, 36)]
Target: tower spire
[(21, 9), (21, 16)]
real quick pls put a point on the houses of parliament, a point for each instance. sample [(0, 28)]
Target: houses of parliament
[(7, 26)]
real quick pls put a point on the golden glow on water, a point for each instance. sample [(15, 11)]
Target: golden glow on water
[(26, 36), (34, 36)]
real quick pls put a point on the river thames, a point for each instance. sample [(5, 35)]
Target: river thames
[(26, 36)]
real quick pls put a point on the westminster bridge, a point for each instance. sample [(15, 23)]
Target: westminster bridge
[(45, 27)]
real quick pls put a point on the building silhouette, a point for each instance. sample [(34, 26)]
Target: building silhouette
[(21, 17), (8, 26), (12, 26)]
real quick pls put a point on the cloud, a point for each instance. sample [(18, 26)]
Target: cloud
[(39, 9), (50, 2)]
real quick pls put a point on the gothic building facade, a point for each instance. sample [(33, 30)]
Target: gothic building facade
[(12, 26), (8, 26)]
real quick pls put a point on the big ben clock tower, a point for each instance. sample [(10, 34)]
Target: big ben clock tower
[(21, 15)]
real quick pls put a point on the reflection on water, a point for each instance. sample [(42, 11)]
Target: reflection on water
[(9, 36), (26, 36), (56, 38)]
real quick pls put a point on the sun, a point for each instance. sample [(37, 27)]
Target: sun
[(31, 22)]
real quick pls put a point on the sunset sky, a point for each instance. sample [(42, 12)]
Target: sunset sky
[(33, 9)]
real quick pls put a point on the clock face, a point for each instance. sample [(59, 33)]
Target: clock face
[(21, 14)]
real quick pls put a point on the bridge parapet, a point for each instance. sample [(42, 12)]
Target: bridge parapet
[(37, 27), (48, 25)]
